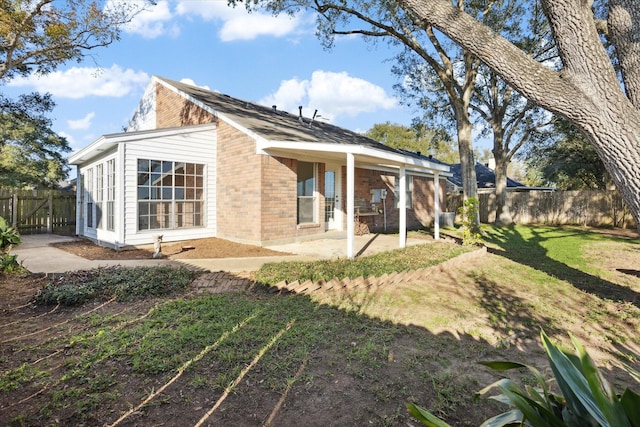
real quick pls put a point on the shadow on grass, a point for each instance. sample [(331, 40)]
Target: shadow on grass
[(510, 315), (530, 252)]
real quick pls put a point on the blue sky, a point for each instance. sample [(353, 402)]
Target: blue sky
[(254, 57)]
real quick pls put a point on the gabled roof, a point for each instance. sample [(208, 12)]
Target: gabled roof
[(275, 125), (280, 130), (485, 176)]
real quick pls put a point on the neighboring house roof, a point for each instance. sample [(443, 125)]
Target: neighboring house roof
[(485, 176)]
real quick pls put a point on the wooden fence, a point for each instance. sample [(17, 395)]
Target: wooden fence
[(585, 207), (39, 211)]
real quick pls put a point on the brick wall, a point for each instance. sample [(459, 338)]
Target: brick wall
[(278, 214), (238, 185), (172, 110), (420, 215)]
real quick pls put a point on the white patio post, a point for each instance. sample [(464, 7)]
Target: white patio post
[(403, 207), (436, 205), (350, 204)]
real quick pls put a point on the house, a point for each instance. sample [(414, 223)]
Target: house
[(195, 163)]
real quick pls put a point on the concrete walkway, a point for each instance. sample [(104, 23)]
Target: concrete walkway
[(38, 256)]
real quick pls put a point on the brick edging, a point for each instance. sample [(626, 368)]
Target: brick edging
[(337, 285)]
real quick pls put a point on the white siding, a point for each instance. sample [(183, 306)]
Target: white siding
[(101, 235), (190, 146)]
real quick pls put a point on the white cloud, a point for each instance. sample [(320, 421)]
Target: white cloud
[(83, 123), (151, 22), (332, 94), (238, 24), (192, 83), (81, 82)]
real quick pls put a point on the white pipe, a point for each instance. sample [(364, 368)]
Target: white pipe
[(436, 206), (403, 207), (350, 205)]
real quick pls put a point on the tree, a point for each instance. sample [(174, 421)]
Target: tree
[(566, 160), (385, 20), (419, 139), (506, 115), (586, 89), (38, 36), (31, 154)]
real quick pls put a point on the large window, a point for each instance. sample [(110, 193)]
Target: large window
[(307, 200), (99, 194), (111, 194), (170, 194), (409, 191)]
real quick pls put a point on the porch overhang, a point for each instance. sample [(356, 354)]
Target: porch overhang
[(355, 155)]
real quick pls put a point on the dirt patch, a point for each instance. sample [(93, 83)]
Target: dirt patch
[(432, 331), (188, 249)]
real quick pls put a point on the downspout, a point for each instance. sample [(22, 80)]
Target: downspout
[(403, 207), (350, 205), (436, 205)]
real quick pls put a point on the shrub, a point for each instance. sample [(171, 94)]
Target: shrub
[(9, 236), (585, 399), (470, 228), (122, 283)]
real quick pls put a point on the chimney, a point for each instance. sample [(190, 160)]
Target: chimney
[(300, 114), (274, 108)]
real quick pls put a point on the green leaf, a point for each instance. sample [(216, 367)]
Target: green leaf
[(425, 417), (503, 365), (500, 383), (602, 392), (630, 401), (513, 417), (535, 414), (572, 383)]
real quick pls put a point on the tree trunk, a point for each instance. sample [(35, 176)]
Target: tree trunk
[(586, 91), (467, 159), (624, 30), (503, 214)]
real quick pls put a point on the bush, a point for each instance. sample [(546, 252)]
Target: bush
[(9, 236), (585, 399), (122, 283), (470, 228)]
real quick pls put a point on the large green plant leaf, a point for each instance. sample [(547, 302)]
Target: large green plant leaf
[(510, 418), (602, 392), (572, 383), (536, 415), (630, 401), (425, 417)]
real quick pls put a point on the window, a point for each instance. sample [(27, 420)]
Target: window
[(306, 193), (170, 194), (88, 189), (111, 194), (409, 191), (99, 194)]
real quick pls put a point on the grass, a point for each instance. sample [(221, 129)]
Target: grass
[(347, 359), (410, 258)]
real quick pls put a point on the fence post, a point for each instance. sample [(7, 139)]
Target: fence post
[(50, 213), (14, 210)]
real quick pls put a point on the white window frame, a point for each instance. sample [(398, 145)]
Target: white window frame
[(313, 197), (396, 191), (176, 204)]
